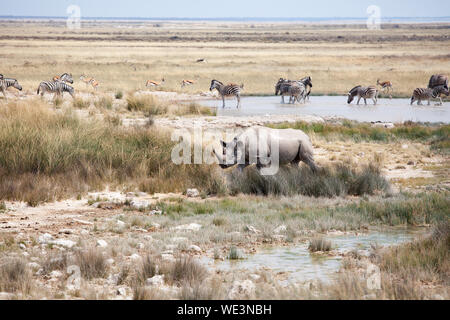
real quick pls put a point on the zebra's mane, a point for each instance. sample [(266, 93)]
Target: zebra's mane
[(218, 82), (354, 89)]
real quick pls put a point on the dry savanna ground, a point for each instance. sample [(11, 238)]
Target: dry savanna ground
[(123, 55)]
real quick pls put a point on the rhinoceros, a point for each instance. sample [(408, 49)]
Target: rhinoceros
[(267, 148)]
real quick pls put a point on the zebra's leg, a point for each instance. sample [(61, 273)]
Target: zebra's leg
[(365, 101), (412, 100), (238, 97), (223, 102), (419, 103), (4, 93), (429, 101), (359, 99), (282, 98)]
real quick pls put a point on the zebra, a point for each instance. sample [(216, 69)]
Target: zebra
[(438, 80), (308, 85), (56, 87), (282, 87), (66, 77), (227, 90), (297, 92), (420, 94), (369, 92), (5, 83), (387, 86)]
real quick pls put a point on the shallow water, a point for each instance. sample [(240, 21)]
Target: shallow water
[(304, 266), (387, 110)]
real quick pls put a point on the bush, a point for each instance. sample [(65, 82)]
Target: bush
[(337, 180), (92, 263), (14, 276), (319, 244), (147, 104), (119, 95)]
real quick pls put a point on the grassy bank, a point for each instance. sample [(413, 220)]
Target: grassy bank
[(437, 135)]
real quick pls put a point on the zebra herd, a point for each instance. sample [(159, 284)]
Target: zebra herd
[(297, 90)]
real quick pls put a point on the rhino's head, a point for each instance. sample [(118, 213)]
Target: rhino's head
[(229, 155)]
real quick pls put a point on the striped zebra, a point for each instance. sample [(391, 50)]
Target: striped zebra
[(65, 77), (369, 92), (307, 81), (227, 90), (420, 94), (297, 92), (438, 80), (282, 88), (56, 87), (5, 83)]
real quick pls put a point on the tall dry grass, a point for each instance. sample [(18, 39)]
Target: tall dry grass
[(46, 155)]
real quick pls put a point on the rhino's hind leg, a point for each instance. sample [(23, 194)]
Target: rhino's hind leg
[(306, 157)]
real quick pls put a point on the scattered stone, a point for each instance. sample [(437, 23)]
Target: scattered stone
[(192, 193), (155, 212), (45, 238), (255, 277), (66, 231), (64, 243), (140, 204), (155, 225), (121, 292), (25, 254), (55, 274), (110, 261), (140, 246), (280, 229), (404, 146), (251, 229), (194, 248), (120, 223), (84, 232), (189, 227), (135, 257), (102, 243), (22, 246), (34, 266), (242, 290), (6, 296), (157, 280), (83, 222)]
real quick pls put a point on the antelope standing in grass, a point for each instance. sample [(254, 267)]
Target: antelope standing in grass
[(420, 94), (5, 83), (386, 86), (65, 77), (86, 80), (151, 83), (369, 92), (231, 89)]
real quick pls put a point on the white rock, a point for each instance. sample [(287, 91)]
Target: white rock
[(157, 280), (194, 248), (189, 227), (22, 246), (120, 223), (83, 222), (121, 292), (242, 290), (84, 232), (64, 243), (135, 257), (251, 229), (155, 225), (179, 239), (192, 193), (6, 296), (155, 212), (102, 243), (140, 246), (280, 229), (25, 254), (55, 274), (34, 265), (255, 277), (45, 238), (140, 204), (110, 261)]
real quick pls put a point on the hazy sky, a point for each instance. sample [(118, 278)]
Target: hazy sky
[(228, 8)]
